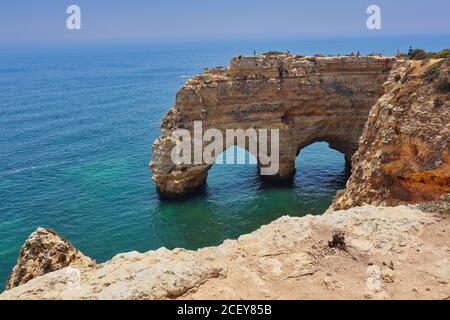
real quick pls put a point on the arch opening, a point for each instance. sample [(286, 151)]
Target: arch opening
[(234, 169), (321, 168), (340, 146), (320, 172)]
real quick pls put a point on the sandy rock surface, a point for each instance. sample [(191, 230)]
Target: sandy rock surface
[(389, 253)]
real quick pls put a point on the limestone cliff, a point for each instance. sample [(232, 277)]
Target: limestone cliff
[(291, 258), (404, 151), (308, 99), (45, 251)]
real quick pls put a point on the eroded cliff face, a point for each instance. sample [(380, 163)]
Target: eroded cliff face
[(291, 258), (308, 99), (45, 251), (404, 151)]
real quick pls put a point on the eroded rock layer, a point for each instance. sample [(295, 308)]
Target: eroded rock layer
[(381, 253), (45, 251), (308, 99), (404, 152)]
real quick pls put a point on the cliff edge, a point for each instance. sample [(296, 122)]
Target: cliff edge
[(404, 150), (361, 253)]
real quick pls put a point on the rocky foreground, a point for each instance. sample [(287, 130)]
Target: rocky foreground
[(361, 253)]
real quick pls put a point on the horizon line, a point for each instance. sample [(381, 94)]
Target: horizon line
[(213, 39)]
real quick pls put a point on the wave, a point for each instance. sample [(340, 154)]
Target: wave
[(31, 168)]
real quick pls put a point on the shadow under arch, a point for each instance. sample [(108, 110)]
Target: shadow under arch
[(314, 156)]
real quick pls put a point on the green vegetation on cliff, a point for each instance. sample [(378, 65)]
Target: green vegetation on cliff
[(439, 74), (420, 54)]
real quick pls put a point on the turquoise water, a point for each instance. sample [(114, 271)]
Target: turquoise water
[(77, 124)]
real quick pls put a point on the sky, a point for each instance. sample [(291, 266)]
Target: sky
[(29, 21)]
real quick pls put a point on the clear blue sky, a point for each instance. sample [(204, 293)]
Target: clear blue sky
[(44, 20)]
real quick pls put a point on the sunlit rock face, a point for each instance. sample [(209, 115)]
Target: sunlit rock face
[(45, 251), (404, 152), (309, 99)]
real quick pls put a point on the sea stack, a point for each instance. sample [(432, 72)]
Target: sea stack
[(309, 99)]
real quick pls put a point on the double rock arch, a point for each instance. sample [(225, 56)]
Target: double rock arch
[(310, 100)]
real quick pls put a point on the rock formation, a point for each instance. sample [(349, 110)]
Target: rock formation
[(290, 258), (45, 251), (308, 99), (364, 252), (404, 151)]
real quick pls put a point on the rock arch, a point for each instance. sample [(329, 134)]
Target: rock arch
[(312, 99)]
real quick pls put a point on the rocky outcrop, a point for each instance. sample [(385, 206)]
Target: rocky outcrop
[(308, 99), (45, 251), (383, 253), (404, 151)]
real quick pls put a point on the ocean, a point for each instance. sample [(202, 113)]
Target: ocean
[(77, 125)]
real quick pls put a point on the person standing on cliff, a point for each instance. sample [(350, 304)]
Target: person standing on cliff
[(254, 52)]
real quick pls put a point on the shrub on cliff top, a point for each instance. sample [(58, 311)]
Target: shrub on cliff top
[(441, 205), (443, 54), (433, 72), (338, 240), (418, 54), (443, 84), (439, 74)]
